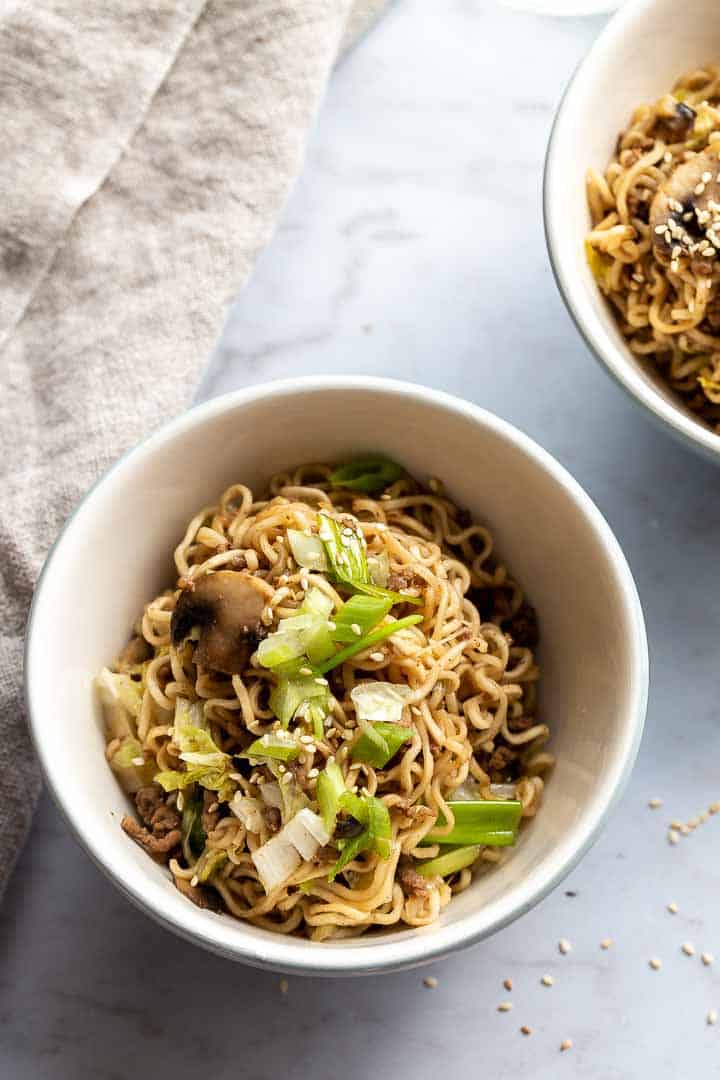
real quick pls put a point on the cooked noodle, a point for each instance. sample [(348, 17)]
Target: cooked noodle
[(472, 711), (653, 245)]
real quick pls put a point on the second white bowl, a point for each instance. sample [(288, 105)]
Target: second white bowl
[(637, 58)]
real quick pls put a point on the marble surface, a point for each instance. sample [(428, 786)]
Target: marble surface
[(413, 247)]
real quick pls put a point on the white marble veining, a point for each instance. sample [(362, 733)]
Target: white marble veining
[(413, 247)]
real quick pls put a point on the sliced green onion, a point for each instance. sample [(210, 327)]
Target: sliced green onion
[(489, 822), (373, 638), (272, 746), (308, 551), (210, 863), (355, 806), (379, 827), (361, 612), (291, 694), (369, 474), (379, 743), (345, 550), (395, 597), (280, 648), (316, 715), (317, 603), (449, 862), (191, 826), (330, 786), (351, 849)]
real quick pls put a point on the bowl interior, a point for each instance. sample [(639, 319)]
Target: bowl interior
[(116, 553), (639, 56)]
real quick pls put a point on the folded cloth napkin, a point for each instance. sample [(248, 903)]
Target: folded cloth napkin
[(148, 146)]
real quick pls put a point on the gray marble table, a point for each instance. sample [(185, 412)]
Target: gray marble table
[(413, 247)]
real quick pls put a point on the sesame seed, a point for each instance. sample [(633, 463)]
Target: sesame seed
[(431, 982), (712, 1017), (688, 948), (526, 1030), (286, 778), (564, 946), (672, 907), (377, 657), (194, 880), (706, 177), (385, 497), (699, 188), (508, 984), (313, 773), (667, 157), (707, 958), (655, 964), (505, 1006), (655, 803), (284, 986), (139, 761), (305, 671), (320, 681), (356, 629), (566, 1044), (673, 836), (547, 980), (331, 625), (606, 943)]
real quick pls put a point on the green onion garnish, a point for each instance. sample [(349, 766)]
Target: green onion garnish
[(191, 826), (487, 821), (272, 746), (449, 862), (358, 616), (330, 787), (368, 474), (366, 642), (380, 742)]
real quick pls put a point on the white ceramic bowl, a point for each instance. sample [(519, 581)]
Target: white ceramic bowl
[(638, 57), (115, 553)]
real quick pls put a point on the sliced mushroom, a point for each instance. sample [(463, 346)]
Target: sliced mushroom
[(685, 213), (675, 120), (225, 608)]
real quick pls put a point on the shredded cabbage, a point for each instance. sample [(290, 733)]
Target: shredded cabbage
[(380, 701), (116, 688), (207, 764)]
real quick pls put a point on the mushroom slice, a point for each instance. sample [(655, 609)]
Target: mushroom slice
[(685, 212), (224, 609)]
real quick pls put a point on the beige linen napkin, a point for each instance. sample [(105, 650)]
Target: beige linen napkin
[(148, 146)]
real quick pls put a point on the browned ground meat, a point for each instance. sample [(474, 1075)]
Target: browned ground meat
[(148, 800), (136, 651), (401, 580), (210, 817), (524, 628), (204, 898), (271, 814), (520, 723), (413, 884), (159, 848), (499, 760)]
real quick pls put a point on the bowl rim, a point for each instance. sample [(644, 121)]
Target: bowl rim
[(615, 361), (398, 952)]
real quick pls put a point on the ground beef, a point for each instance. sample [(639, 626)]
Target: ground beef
[(499, 761), (204, 898), (160, 818), (524, 628), (148, 800), (413, 884), (401, 580), (519, 723), (159, 848), (210, 818), (271, 816)]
